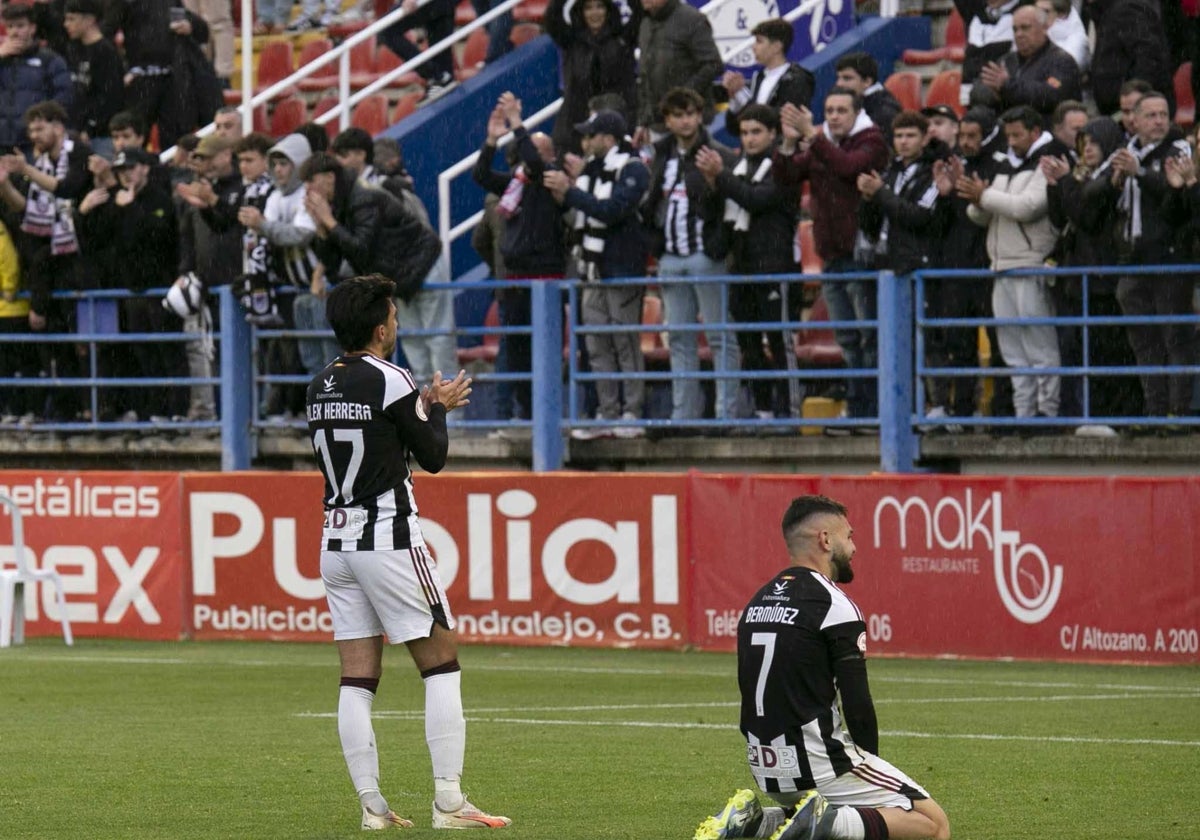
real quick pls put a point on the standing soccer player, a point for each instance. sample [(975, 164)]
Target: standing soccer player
[(367, 417), (810, 727)]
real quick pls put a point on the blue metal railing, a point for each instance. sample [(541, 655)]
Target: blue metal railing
[(556, 398)]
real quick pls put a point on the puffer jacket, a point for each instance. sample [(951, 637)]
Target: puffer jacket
[(832, 169), (376, 233), (592, 63), (677, 50), (1016, 211), (36, 75)]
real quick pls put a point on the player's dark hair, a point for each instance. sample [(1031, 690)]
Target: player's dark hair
[(1023, 114), (776, 29), (802, 507), (354, 139), (680, 99), (856, 101), (1148, 96), (764, 114), (911, 119), (255, 141), (356, 307), (315, 134), (862, 63)]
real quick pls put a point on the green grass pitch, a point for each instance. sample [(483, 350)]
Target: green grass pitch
[(215, 740)]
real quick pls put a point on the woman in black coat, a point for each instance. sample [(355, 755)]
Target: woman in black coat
[(597, 57)]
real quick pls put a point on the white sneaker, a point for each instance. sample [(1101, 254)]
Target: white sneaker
[(631, 431), (1095, 430), (467, 816), (378, 822)]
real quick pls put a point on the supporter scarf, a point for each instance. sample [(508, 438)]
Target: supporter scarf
[(734, 212), (46, 215), (1130, 203), (595, 231), (510, 202)]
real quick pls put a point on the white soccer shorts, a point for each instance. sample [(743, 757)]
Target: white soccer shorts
[(874, 783), (395, 593)]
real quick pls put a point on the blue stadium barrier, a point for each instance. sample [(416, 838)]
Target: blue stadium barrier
[(556, 397)]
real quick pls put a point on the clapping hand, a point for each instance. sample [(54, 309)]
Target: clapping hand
[(869, 183), (451, 393), (994, 75), (1055, 169), (709, 163), (1181, 171), (733, 82), (557, 183), (497, 125), (971, 188), (946, 174)]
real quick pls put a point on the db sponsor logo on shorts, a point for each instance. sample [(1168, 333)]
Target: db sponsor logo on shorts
[(780, 762), (1029, 587)]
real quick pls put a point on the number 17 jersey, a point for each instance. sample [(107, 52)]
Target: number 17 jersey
[(789, 636)]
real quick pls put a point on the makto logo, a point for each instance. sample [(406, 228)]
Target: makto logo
[(1028, 585)]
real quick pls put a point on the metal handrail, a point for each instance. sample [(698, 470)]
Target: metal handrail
[(448, 234)]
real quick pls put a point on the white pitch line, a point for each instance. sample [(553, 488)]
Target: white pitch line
[(652, 672)]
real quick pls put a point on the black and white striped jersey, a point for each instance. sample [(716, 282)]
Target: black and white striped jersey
[(365, 420), (791, 637)]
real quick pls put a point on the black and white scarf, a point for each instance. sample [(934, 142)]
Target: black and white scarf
[(47, 215), (1130, 203), (256, 248), (595, 232), (735, 213)]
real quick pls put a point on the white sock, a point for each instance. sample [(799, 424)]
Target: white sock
[(358, 745), (848, 825), (446, 735)]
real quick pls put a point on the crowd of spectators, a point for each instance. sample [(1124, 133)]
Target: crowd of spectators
[(1049, 165)]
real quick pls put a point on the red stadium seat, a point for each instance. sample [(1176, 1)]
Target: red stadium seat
[(362, 64), (289, 114), (464, 13), (817, 348), (530, 11), (327, 103), (274, 65), (944, 90), (810, 260), (387, 61), (371, 114), (654, 349), (906, 87), (1185, 102), (406, 105), (523, 33), (473, 55), (489, 348), (324, 78)]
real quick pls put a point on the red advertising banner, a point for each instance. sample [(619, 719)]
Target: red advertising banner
[(526, 559), (1034, 568), (1080, 569), (114, 539)]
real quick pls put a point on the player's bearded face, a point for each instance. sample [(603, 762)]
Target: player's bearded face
[(842, 571)]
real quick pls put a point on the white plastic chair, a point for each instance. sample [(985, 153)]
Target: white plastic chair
[(12, 586)]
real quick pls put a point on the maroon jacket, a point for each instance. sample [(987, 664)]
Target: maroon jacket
[(833, 170)]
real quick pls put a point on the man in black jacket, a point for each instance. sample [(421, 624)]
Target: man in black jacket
[(1037, 72), (760, 218), (365, 230), (533, 247), (778, 81), (1151, 217), (686, 226), (133, 242), (1130, 44), (97, 74)]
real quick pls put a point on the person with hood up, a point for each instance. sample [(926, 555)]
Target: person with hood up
[(364, 230), (1081, 206), (287, 226), (598, 40)]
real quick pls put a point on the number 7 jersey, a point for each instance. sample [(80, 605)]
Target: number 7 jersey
[(789, 636), (365, 419)]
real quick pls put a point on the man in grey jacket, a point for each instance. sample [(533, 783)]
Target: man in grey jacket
[(677, 50)]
